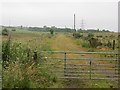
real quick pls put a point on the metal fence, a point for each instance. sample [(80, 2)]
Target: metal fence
[(83, 65)]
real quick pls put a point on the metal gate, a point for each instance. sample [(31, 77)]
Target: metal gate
[(83, 65)]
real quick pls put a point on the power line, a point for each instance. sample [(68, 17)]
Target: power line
[(82, 24)]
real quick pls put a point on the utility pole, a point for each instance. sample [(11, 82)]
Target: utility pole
[(74, 23)]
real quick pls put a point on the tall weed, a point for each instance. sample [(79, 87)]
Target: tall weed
[(19, 71)]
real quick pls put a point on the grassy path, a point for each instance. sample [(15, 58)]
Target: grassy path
[(64, 43), (61, 42)]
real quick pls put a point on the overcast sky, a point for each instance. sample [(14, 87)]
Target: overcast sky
[(102, 15)]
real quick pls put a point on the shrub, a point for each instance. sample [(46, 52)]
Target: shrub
[(109, 44), (12, 52), (51, 31), (13, 29), (99, 36), (6, 54), (22, 73), (83, 43), (27, 76), (77, 35), (5, 32), (93, 42), (90, 35), (86, 44)]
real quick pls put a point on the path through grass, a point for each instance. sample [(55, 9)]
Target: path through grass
[(61, 42)]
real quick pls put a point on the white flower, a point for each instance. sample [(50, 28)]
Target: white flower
[(45, 57)]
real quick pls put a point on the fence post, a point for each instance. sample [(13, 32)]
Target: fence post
[(116, 64), (113, 44), (65, 64), (35, 56), (90, 68)]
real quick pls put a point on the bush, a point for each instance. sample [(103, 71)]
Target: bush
[(99, 36), (22, 73), (94, 42), (13, 29), (51, 31), (109, 44), (12, 52), (6, 52), (86, 44), (27, 76), (90, 35), (5, 32), (77, 35), (83, 43)]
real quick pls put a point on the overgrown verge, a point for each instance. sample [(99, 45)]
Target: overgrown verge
[(96, 41), (21, 71)]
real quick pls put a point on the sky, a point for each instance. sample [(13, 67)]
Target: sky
[(95, 14)]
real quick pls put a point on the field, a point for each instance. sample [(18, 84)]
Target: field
[(22, 69)]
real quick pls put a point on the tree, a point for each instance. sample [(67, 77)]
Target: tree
[(5, 32), (93, 42), (51, 31)]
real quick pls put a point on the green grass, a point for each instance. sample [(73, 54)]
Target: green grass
[(27, 74), (37, 77), (83, 43), (103, 84), (0, 68), (0, 75)]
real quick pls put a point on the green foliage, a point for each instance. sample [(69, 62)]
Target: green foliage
[(83, 43), (77, 35), (91, 50), (13, 29), (109, 44), (27, 76), (21, 72), (51, 31), (99, 36), (86, 44), (6, 50), (47, 29), (46, 47), (94, 42), (12, 52), (5, 32), (6, 54), (90, 35)]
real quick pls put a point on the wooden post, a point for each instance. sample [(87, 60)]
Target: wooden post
[(35, 56), (65, 64), (113, 44), (116, 64), (90, 68)]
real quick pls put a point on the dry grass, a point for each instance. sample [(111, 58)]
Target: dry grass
[(59, 42)]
